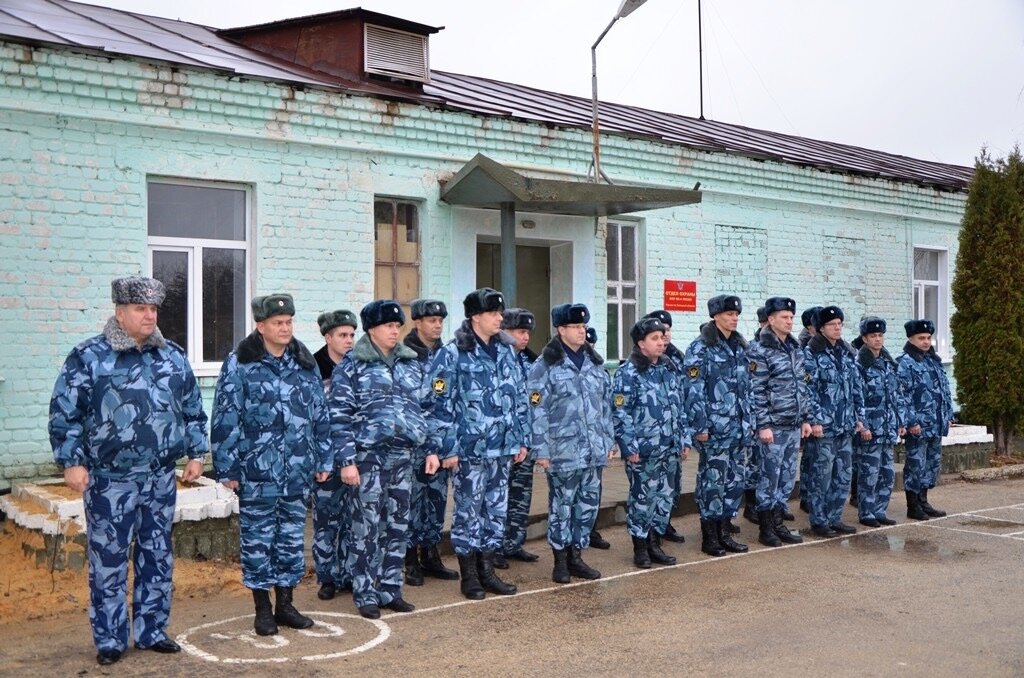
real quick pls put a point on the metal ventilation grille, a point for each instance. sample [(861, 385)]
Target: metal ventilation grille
[(397, 54)]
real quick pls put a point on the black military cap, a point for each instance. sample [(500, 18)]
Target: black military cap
[(591, 336), (570, 314), (483, 300), (827, 315), (921, 326), (427, 308), (518, 319), (807, 317), (723, 303), (331, 319), (664, 316), (871, 324), (762, 315), (271, 305), (381, 311), (646, 326), (776, 304)]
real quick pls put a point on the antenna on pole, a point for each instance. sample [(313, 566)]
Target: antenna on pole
[(700, 58)]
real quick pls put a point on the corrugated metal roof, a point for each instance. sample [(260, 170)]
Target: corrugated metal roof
[(81, 26)]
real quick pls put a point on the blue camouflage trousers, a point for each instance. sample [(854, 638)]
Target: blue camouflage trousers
[(808, 452), (427, 505), (719, 480), (830, 483), (649, 504), (118, 513), (520, 493), (875, 478), (330, 525), (922, 464), (752, 470), (574, 498), (481, 502), (271, 534), (379, 517), (777, 473)]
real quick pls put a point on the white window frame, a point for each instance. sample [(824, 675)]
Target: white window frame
[(194, 247), (941, 340), (619, 285)]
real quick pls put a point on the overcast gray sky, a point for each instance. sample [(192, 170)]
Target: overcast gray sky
[(932, 79)]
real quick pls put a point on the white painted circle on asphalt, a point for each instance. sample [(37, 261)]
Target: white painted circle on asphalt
[(273, 646)]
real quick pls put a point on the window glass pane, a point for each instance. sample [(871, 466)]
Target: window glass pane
[(407, 237), (611, 244), (382, 287), (629, 253), (408, 283), (931, 304), (613, 293), (196, 212), (384, 235), (628, 292), (408, 217), (171, 268), (628, 320), (926, 265), (612, 333), (224, 301)]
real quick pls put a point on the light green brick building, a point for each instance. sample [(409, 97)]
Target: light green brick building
[(231, 163)]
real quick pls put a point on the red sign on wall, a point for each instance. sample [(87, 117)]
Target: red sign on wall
[(680, 295)]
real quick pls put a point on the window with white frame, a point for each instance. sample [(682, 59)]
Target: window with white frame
[(622, 247), (931, 294), (199, 248)]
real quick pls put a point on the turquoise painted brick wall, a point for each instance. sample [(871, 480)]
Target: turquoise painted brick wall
[(80, 134)]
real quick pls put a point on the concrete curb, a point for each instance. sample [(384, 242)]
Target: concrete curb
[(980, 475)]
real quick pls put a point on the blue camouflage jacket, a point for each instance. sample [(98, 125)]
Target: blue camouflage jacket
[(271, 430), (478, 405), (924, 391), (123, 412), (571, 408), (647, 409), (778, 382), (375, 408), (716, 385), (882, 408), (837, 393)]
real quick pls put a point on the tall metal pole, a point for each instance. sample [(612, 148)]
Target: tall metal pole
[(700, 57), (593, 88)]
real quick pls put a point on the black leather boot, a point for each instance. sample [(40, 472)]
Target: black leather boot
[(658, 556), (750, 506), (930, 510), (672, 535), (598, 542), (578, 568), (327, 591), (489, 579), (709, 543), (413, 573), (783, 532), (264, 625), (524, 556), (640, 556), (726, 540), (470, 578), (914, 509), (560, 572), (500, 562), (433, 566), (285, 613), (766, 535), (730, 527)]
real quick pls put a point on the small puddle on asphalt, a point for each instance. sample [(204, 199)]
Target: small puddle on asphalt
[(913, 547)]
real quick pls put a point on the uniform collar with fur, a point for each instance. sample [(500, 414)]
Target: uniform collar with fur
[(554, 353), (251, 349), (465, 338), (643, 363), (819, 344), (867, 358), (365, 351), (413, 341), (672, 351), (919, 355), (120, 341), (770, 340), (709, 333)]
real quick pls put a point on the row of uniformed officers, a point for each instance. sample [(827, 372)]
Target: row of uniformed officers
[(373, 431)]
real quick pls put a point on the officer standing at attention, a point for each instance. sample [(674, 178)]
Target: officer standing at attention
[(519, 324), (675, 356), (125, 408), (873, 459), (479, 414), (338, 329), (376, 427), (570, 395), (782, 414), (837, 413), (652, 436), (596, 540), (719, 414), (429, 497), (928, 411), (270, 435), (809, 449)]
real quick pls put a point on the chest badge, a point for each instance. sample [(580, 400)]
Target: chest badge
[(753, 368), (694, 372), (535, 398), (619, 400), (440, 386)]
